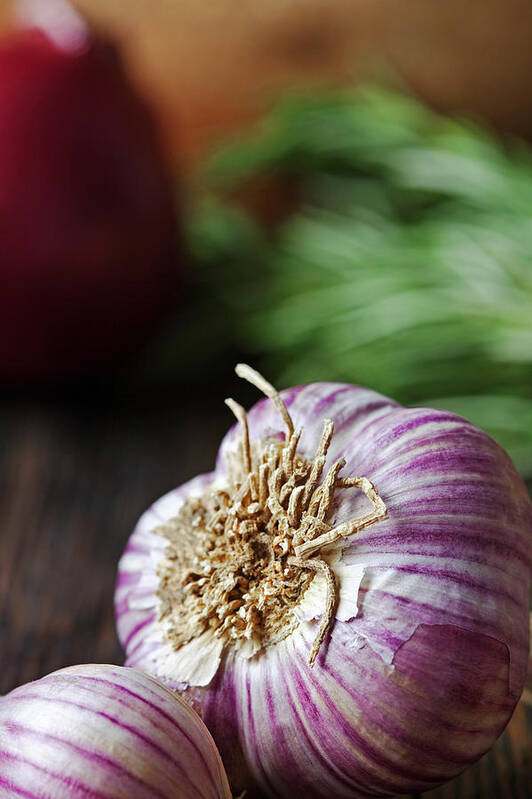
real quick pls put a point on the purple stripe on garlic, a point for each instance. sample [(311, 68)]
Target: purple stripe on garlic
[(424, 654), (105, 732)]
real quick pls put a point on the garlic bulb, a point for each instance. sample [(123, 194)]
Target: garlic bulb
[(344, 599), (105, 731)]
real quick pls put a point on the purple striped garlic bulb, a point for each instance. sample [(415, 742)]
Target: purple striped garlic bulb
[(106, 732), (344, 599)]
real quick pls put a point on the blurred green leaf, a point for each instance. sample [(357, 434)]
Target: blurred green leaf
[(408, 267)]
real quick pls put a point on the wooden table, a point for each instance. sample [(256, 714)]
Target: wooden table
[(75, 474)]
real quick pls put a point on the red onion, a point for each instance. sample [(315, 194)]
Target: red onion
[(87, 230), (424, 655), (105, 731)]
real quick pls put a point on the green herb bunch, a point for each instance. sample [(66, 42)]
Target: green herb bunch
[(407, 267)]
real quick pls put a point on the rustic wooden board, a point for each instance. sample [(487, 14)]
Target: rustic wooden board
[(73, 483), (74, 477)]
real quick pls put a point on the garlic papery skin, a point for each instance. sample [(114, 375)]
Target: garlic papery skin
[(105, 732), (426, 653)]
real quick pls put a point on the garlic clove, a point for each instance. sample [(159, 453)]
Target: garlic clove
[(105, 731)]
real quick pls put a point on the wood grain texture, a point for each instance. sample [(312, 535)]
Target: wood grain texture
[(74, 477), (73, 483)]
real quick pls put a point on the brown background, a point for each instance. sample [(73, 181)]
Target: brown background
[(212, 65)]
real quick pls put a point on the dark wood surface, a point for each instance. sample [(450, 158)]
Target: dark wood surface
[(74, 476)]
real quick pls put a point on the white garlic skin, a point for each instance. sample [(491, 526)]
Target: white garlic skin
[(428, 651), (108, 732)]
